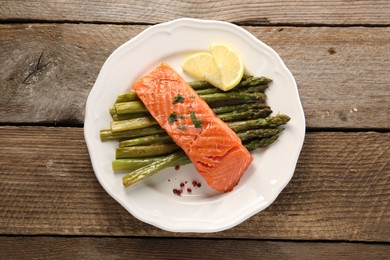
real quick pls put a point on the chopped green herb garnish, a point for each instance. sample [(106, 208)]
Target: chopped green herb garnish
[(178, 99), (197, 123), (172, 118), (192, 96), (175, 117), (181, 127), (193, 116)]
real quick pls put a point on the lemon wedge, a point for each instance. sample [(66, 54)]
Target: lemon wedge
[(202, 66), (229, 64), (221, 67)]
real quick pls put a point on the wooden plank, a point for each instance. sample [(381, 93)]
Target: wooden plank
[(340, 71), (244, 12), (47, 78), (340, 190), (170, 248)]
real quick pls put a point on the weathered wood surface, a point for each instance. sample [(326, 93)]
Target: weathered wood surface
[(48, 70), (340, 190), (170, 248), (338, 52), (242, 12)]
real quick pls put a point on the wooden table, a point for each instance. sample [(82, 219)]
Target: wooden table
[(337, 204)]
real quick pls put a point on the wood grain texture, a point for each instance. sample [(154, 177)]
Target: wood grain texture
[(46, 77), (168, 248), (243, 12), (340, 190), (340, 72)]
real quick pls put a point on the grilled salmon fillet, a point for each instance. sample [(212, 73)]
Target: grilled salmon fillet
[(214, 149)]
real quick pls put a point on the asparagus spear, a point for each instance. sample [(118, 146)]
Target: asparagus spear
[(269, 122), (131, 107), (229, 96), (107, 134), (117, 117), (243, 115), (260, 143), (147, 140), (251, 89), (133, 163), (153, 168), (245, 82), (259, 133), (256, 89), (209, 91), (248, 88), (253, 81), (201, 84), (145, 151), (238, 107), (131, 124), (126, 97), (179, 158)]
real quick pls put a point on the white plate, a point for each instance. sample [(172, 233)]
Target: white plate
[(204, 210)]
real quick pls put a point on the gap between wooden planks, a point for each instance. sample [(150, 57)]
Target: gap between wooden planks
[(340, 190), (340, 72), (45, 247), (266, 12)]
